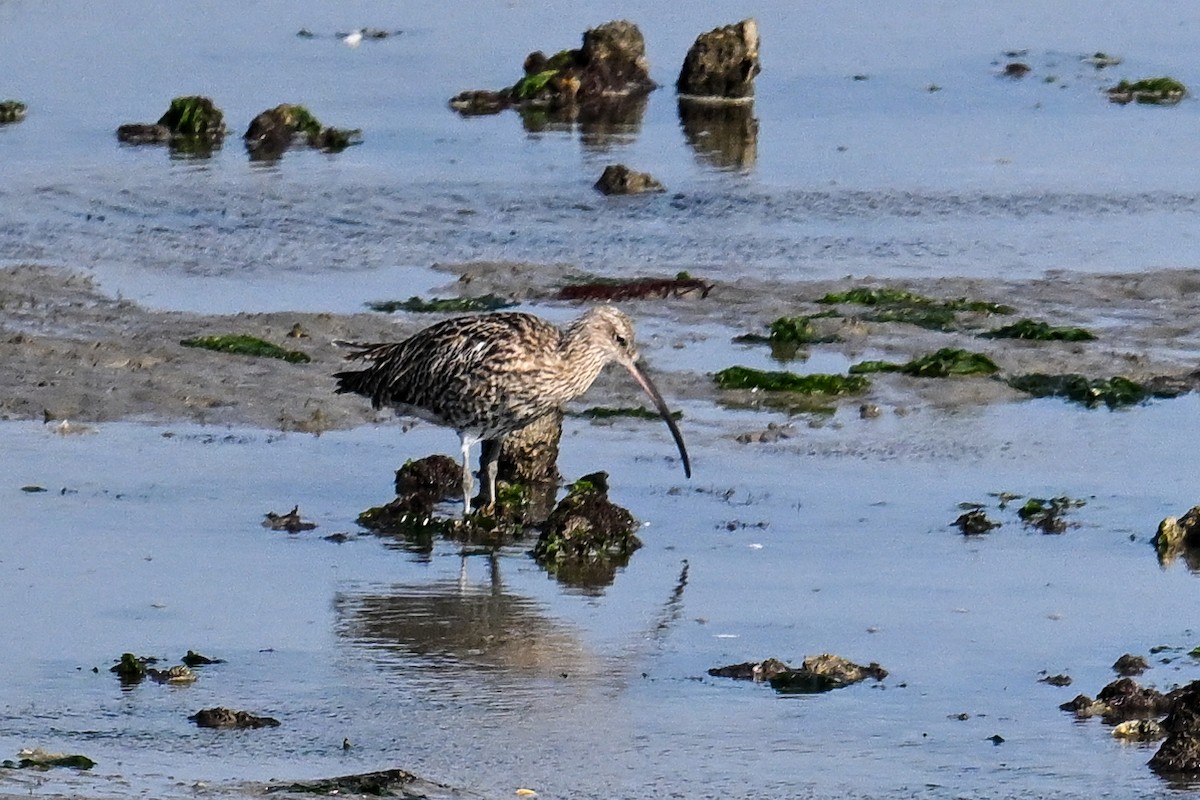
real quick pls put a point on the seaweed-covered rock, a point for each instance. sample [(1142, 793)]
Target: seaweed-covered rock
[(590, 81), (1124, 699), (620, 179), (37, 758), (131, 669), (1181, 750), (722, 63), (1148, 91), (192, 124), (273, 131), (12, 111), (1048, 516), (221, 717), (435, 478), (1130, 665), (290, 522), (975, 522), (383, 783), (587, 536)]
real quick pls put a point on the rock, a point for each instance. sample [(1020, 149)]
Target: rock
[(37, 758), (722, 63), (12, 111), (587, 537), (1125, 699), (592, 84), (272, 132), (763, 670), (975, 522), (192, 124), (290, 522), (221, 717), (131, 669), (842, 669), (620, 179), (1181, 750), (1058, 680), (178, 675), (439, 477), (1148, 91), (1139, 730), (1179, 536), (140, 133), (1016, 69), (1130, 664)]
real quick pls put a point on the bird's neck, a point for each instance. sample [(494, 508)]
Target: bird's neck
[(583, 358)]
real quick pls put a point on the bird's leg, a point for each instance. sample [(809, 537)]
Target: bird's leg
[(489, 460), (468, 480)]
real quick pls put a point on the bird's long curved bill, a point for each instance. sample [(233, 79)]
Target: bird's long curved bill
[(644, 381)]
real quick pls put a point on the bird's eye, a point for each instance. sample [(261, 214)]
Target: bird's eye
[(620, 340)]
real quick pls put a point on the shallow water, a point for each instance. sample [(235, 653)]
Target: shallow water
[(485, 674), (879, 176)]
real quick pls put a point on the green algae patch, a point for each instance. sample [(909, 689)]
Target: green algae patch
[(632, 412), (767, 381), (1148, 91), (1115, 392), (945, 363), (244, 345), (1048, 516), (1037, 330), (787, 334), (530, 85), (442, 305), (587, 537), (901, 305), (194, 118), (38, 758)]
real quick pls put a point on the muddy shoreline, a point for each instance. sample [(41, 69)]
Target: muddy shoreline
[(69, 351)]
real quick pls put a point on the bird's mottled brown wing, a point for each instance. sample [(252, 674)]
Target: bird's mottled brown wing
[(458, 371)]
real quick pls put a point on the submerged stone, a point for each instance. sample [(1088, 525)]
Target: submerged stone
[(620, 179), (221, 717), (763, 670), (1048, 516), (722, 63), (823, 673), (192, 125), (290, 522), (383, 783), (975, 522)]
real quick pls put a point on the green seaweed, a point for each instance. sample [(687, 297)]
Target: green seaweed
[(242, 344), (1161, 91), (1047, 515), (1037, 330), (901, 305), (818, 383), (37, 759), (1114, 392), (194, 117), (438, 305), (530, 85), (635, 412), (944, 363)]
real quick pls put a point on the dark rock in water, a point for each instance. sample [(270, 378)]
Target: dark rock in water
[(143, 133), (1060, 680), (221, 717), (335, 140), (1148, 91), (1016, 69), (801, 681), (480, 102), (975, 522), (620, 179), (1130, 664), (438, 477), (763, 670), (1125, 699), (587, 537), (131, 669), (290, 522), (1181, 750), (39, 759), (1179, 536), (12, 111), (722, 63), (613, 61), (194, 659), (272, 132), (724, 135), (384, 783)]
